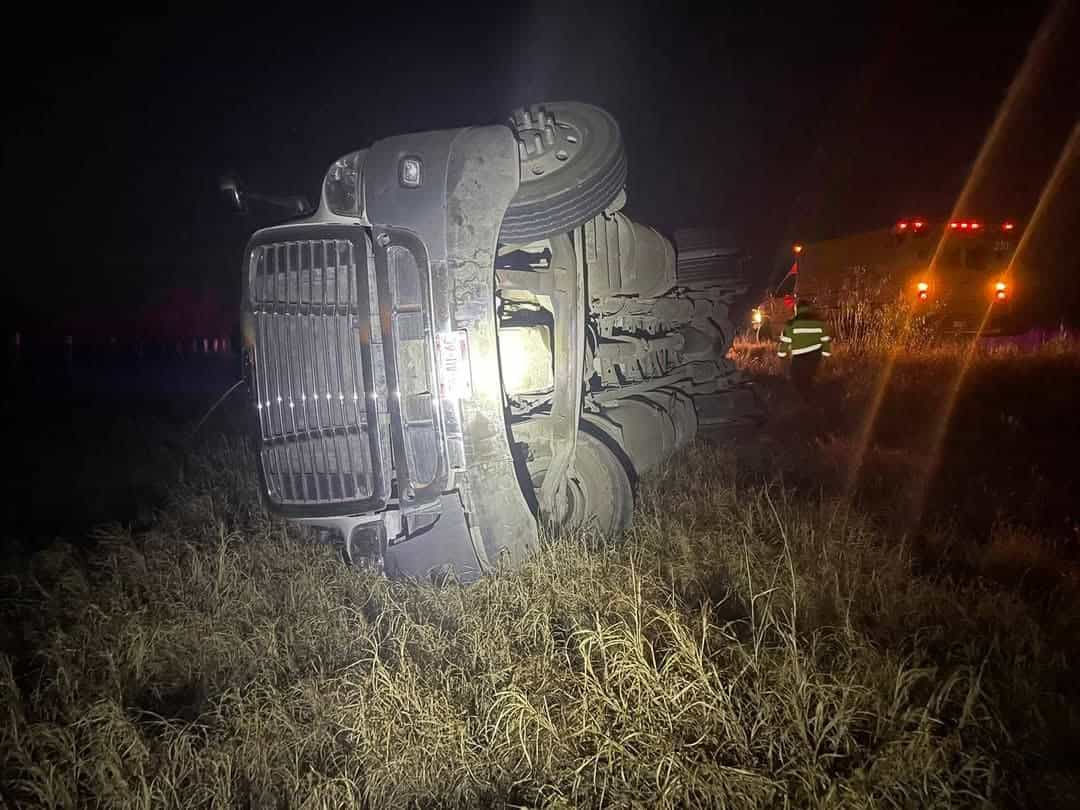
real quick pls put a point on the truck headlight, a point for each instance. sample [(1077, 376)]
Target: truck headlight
[(341, 188)]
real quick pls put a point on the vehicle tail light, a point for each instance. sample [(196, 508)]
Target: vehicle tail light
[(1007, 226)]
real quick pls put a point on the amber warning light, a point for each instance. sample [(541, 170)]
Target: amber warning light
[(1001, 291), (923, 290)]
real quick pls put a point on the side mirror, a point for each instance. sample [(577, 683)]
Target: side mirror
[(238, 197), (230, 187)]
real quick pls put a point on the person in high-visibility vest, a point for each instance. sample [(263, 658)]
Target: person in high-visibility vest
[(807, 339)]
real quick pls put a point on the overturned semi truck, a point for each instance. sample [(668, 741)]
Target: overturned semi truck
[(469, 341)]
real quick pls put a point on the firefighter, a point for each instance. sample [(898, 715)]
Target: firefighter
[(806, 338)]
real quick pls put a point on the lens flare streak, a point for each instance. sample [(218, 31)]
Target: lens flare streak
[(941, 429), (1033, 62)]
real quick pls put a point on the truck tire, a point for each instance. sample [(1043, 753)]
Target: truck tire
[(573, 165), (602, 498)]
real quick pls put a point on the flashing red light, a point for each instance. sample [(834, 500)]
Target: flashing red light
[(923, 295), (964, 226), (954, 225), (975, 226), (1008, 226), (1001, 295)]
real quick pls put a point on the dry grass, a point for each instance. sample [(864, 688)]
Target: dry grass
[(743, 647)]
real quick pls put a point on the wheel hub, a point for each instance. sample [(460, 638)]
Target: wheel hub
[(545, 144)]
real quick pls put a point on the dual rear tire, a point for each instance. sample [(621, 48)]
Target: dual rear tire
[(599, 493)]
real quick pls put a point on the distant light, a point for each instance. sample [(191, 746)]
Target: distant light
[(923, 286), (975, 226), (1008, 226), (1000, 295), (919, 223), (964, 226), (797, 248), (756, 317), (1001, 286), (923, 295), (902, 226), (954, 225)]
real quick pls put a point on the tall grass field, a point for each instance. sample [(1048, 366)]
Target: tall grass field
[(764, 637)]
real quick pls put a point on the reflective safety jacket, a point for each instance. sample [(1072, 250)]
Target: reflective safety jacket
[(803, 336)]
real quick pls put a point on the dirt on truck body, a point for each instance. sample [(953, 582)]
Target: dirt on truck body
[(469, 340)]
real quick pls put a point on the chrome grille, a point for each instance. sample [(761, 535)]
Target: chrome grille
[(313, 371)]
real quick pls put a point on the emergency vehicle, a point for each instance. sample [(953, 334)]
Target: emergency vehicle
[(956, 273)]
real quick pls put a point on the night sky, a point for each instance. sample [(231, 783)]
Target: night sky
[(774, 122)]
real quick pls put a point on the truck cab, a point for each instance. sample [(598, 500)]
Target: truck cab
[(469, 342)]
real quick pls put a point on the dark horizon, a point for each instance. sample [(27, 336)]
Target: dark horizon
[(772, 124)]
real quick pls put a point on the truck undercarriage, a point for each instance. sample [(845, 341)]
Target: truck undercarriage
[(469, 341)]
